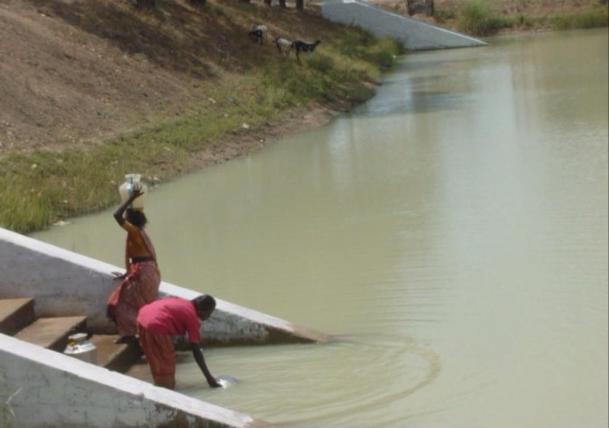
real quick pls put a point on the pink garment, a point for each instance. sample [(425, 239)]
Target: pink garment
[(161, 357), (141, 286), (171, 316)]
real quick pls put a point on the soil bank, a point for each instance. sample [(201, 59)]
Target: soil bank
[(94, 89)]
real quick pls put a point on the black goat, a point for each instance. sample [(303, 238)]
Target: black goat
[(300, 46), (258, 33)]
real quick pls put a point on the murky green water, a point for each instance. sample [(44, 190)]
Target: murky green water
[(453, 232)]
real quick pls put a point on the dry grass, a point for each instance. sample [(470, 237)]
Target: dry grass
[(487, 17)]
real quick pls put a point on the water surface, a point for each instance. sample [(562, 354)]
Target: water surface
[(452, 232)]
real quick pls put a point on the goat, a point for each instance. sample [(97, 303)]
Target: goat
[(258, 33), (284, 46), (301, 46)]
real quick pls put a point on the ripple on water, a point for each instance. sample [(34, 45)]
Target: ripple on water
[(350, 381)]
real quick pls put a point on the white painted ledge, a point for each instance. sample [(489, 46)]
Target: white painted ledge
[(66, 283), (411, 33), (53, 390)]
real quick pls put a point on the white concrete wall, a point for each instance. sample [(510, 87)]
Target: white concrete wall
[(66, 283), (411, 33), (51, 390)]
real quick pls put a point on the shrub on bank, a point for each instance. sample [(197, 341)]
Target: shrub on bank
[(442, 15), (384, 59), (591, 19), (477, 17)]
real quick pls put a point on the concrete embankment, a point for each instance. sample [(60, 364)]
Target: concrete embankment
[(48, 389), (411, 33), (43, 388), (66, 283)]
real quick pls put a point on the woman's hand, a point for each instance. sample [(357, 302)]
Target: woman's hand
[(213, 383), (136, 192)]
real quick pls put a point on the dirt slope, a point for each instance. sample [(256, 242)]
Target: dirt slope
[(76, 71)]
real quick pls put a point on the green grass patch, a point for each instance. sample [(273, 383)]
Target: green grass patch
[(359, 44), (442, 15), (598, 17), (478, 18), (39, 188)]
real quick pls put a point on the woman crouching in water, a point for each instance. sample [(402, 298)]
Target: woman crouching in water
[(140, 283)]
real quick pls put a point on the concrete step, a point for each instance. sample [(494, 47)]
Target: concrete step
[(15, 314), (52, 333), (113, 356)]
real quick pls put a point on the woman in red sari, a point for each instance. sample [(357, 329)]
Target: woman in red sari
[(140, 284)]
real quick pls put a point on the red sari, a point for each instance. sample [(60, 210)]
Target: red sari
[(161, 356), (139, 287)]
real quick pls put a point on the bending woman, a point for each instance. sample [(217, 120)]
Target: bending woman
[(140, 284)]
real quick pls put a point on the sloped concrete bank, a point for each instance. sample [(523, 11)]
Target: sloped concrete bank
[(411, 33), (42, 388), (50, 390), (66, 283)]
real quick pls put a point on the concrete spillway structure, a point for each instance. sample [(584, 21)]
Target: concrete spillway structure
[(411, 33), (50, 389), (66, 283)]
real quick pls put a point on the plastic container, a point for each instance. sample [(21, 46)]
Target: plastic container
[(80, 347), (132, 182)]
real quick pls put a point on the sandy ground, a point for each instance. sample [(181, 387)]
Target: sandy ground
[(61, 85)]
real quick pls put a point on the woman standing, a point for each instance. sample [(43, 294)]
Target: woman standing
[(140, 284)]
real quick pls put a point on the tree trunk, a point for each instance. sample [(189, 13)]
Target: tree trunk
[(410, 7), (282, 4), (429, 8), (268, 2), (300, 4)]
